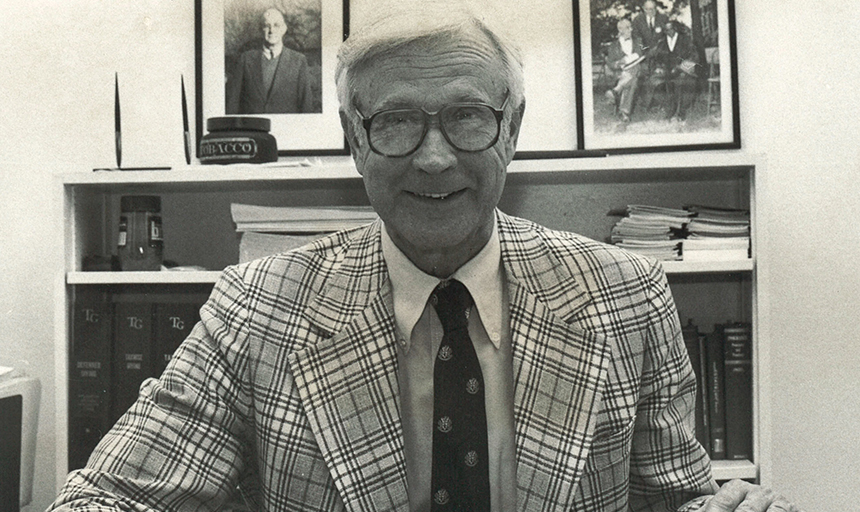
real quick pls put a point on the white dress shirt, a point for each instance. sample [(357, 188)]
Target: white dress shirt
[(671, 41), (420, 333)]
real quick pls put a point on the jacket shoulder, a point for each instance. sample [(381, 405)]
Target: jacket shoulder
[(295, 275), (585, 256)]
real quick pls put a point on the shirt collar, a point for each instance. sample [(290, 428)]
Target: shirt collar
[(272, 52), (672, 41), (411, 287)]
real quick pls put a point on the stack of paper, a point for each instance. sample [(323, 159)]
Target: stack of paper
[(717, 234), (288, 219), (267, 230), (651, 230)]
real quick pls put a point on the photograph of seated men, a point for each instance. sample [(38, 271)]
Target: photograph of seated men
[(271, 78), (666, 92), (447, 356)]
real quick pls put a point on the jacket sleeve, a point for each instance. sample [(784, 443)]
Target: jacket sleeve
[(184, 444), (615, 56), (304, 92), (234, 86), (668, 466)]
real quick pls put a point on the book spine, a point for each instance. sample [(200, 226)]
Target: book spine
[(89, 374), (692, 340), (173, 322), (716, 390), (703, 408), (132, 352), (738, 391)]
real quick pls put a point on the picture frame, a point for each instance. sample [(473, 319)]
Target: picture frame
[(683, 98), (226, 34)]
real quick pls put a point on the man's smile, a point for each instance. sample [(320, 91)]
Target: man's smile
[(435, 196)]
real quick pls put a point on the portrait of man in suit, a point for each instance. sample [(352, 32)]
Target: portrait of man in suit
[(649, 25), (269, 77)]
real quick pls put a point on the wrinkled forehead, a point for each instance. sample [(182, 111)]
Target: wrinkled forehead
[(447, 54)]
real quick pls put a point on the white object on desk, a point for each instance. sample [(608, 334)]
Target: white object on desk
[(11, 384)]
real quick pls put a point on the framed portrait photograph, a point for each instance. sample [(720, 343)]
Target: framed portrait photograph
[(658, 75), (273, 59)]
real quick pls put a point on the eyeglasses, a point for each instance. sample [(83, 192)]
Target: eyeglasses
[(469, 127)]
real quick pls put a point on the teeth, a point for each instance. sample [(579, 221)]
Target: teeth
[(434, 196)]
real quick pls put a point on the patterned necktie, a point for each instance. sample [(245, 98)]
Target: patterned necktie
[(460, 470)]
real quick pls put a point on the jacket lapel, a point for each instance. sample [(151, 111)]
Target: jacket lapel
[(348, 382), (559, 370), (255, 67)]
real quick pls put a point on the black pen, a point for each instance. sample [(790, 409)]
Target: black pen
[(116, 121), (187, 138)]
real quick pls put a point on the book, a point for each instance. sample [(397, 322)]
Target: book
[(702, 392), (737, 339), (694, 341), (89, 373), (253, 245), (132, 346), (716, 390), (286, 219), (653, 231), (172, 323)]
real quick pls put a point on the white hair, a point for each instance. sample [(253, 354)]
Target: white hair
[(422, 21)]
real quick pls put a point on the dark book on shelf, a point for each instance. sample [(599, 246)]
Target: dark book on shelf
[(173, 322), (702, 392), (737, 340), (132, 350), (694, 341), (716, 393), (89, 373)]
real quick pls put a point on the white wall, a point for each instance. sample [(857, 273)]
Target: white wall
[(799, 68), (56, 115), (798, 71)]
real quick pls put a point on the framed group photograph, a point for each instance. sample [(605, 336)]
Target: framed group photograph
[(273, 59), (657, 75)]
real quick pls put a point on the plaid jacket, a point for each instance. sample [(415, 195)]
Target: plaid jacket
[(288, 388)]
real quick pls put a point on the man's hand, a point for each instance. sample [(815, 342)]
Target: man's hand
[(741, 496)]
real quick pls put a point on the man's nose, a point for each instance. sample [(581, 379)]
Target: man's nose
[(435, 155)]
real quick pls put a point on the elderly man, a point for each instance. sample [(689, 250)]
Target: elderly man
[(273, 79), (445, 357), (678, 57), (625, 57)]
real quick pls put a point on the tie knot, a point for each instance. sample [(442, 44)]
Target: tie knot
[(452, 302)]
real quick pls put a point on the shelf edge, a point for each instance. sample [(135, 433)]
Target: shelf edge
[(167, 277), (731, 469), (703, 267)]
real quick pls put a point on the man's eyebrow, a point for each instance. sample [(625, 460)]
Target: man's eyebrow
[(399, 103)]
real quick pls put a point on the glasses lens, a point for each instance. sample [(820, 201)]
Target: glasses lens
[(469, 127), (396, 132)]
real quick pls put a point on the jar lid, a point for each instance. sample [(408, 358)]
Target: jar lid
[(262, 124), (140, 203)]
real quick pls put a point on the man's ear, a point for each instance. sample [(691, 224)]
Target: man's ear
[(514, 127), (517, 120), (349, 132)]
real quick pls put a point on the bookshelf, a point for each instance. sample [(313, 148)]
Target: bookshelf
[(570, 194)]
